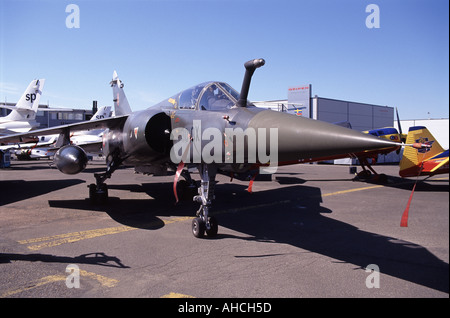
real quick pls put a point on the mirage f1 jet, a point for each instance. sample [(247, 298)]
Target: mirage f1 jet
[(211, 127)]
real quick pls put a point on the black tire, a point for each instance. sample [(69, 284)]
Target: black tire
[(365, 174), (198, 227), (102, 193), (98, 195), (92, 193)]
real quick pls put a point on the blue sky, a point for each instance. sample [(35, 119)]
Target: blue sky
[(162, 47)]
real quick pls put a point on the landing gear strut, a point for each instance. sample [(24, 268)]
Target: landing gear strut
[(98, 191), (367, 174), (204, 223)]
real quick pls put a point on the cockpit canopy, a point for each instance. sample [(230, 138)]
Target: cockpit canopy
[(205, 96)]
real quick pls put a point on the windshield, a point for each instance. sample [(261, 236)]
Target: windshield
[(188, 98), (215, 98), (230, 90), (205, 96)]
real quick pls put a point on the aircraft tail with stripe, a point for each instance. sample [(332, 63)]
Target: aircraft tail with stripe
[(424, 161)]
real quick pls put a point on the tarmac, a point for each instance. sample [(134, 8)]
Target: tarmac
[(310, 232)]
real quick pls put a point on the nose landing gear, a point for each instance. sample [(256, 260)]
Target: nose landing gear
[(204, 223)]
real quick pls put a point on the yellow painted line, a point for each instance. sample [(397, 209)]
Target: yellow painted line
[(104, 281), (55, 240), (351, 190), (176, 295), (40, 282), (72, 237)]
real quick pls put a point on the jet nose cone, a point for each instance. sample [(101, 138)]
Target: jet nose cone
[(304, 138)]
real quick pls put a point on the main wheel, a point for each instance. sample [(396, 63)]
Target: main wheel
[(98, 194), (93, 193), (198, 227), (102, 193), (365, 174)]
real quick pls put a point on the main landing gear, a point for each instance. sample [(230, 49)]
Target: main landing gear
[(204, 223), (367, 174), (98, 191)]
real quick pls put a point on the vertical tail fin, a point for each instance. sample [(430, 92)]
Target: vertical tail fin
[(102, 112), (121, 106), (28, 103), (412, 158)]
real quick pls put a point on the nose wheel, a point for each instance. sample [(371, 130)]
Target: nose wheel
[(199, 228)]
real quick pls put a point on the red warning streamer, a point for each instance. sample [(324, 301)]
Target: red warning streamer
[(180, 168), (177, 175), (250, 184), (404, 220)]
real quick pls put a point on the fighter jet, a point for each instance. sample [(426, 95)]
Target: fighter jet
[(212, 127)]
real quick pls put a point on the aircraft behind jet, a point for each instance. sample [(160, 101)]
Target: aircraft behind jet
[(426, 161), (90, 141), (121, 105), (92, 137), (23, 116)]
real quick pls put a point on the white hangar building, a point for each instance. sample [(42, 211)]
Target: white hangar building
[(360, 116)]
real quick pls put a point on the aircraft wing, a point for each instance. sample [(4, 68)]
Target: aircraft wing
[(110, 122)]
